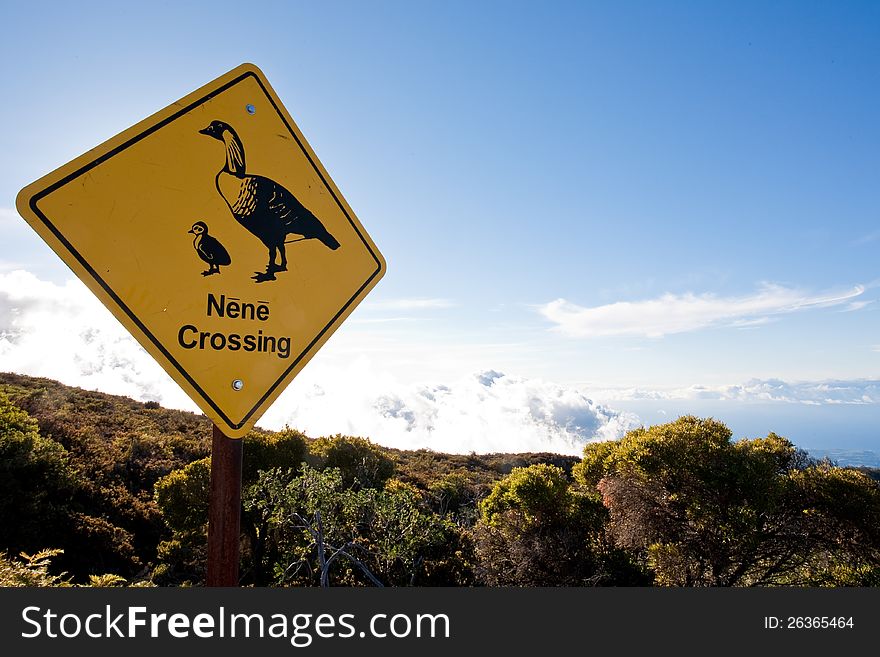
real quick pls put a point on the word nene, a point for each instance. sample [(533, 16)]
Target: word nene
[(190, 337)]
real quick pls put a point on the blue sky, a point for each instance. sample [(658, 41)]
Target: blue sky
[(604, 197)]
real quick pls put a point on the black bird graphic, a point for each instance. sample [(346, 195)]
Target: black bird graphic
[(262, 206), (209, 248)]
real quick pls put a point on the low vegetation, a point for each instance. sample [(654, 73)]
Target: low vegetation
[(98, 490)]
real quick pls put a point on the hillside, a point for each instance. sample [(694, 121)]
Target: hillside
[(81, 420), (121, 487), (118, 449)]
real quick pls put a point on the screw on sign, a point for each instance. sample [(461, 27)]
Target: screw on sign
[(262, 257)]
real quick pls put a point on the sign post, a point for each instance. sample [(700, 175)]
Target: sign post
[(224, 513), (214, 234)]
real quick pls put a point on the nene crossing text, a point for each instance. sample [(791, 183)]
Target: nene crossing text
[(190, 337)]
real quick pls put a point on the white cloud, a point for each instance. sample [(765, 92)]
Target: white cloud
[(679, 313), (829, 392), (750, 323), (856, 305), (63, 332), (484, 412)]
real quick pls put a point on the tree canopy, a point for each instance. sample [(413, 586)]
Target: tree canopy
[(702, 510), (103, 490)]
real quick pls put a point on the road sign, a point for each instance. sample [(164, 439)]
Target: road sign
[(214, 234)]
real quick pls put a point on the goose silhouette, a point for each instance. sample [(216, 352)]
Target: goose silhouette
[(262, 206), (209, 248)]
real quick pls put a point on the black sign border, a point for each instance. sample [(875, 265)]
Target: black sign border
[(36, 198)]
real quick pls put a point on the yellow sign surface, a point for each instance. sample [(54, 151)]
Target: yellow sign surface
[(214, 234)]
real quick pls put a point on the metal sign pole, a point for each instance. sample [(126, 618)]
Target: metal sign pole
[(224, 514)]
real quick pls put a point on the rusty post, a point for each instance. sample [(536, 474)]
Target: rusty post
[(224, 514)]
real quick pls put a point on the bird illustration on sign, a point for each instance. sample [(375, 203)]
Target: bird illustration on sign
[(262, 206), (209, 249)]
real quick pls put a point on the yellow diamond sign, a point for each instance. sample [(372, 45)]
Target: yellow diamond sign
[(214, 234)]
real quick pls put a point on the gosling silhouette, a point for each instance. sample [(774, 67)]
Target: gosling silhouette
[(262, 206), (209, 249)]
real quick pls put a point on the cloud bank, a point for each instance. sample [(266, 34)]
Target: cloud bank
[(680, 313), (63, 332), (483, 412), (829, 392)]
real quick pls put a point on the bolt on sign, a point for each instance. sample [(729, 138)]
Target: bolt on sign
[(214, 234)]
